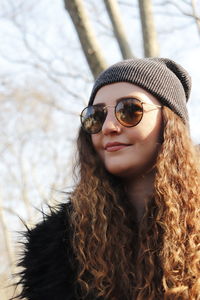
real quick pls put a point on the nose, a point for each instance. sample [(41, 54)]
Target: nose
[(111, 125)]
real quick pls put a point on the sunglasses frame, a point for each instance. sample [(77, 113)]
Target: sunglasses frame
[(115, 106)]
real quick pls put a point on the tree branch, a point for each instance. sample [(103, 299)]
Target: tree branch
[(197, 19), (115, 17), (86, 36), (148, 29)]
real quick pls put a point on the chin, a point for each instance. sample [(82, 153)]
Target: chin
[(133, 172), (123, 172)]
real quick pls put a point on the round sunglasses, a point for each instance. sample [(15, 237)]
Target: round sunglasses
[(128, 112)]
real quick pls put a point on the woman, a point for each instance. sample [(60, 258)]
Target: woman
[(131, 227)]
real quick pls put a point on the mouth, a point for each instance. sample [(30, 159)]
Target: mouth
[(112, 147)]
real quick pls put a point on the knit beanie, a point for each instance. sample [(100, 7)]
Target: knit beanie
[(165, 79)]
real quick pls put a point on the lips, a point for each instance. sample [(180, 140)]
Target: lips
[(115, 146)]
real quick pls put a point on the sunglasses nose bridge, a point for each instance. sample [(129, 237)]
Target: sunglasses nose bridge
[(110, 124), (110, 111)]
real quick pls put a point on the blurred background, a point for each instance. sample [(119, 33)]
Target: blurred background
[(50, 53)]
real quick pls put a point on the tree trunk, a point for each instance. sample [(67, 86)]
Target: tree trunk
[(151, 48), (115, 17), (197, 19), (86, 36)]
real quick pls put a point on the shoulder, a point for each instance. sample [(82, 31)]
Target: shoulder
[(47, 260), (54, 228)]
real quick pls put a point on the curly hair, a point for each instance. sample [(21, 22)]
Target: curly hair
[(160, 257)]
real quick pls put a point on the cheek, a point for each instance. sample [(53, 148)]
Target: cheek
[(98, 146), (152, 126), (96, 141), (149, 134)]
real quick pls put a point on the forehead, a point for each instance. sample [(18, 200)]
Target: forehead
[(108, 94)]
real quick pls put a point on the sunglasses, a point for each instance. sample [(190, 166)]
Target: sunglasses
[(128, 112)]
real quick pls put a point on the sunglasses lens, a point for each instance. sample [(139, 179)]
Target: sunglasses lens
[(92, 118), (129, 112)]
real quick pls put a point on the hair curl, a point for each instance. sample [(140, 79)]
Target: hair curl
[(160, 259)]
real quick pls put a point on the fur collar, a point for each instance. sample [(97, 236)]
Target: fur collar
[(48, 262)]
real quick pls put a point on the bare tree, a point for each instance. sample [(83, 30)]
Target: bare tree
[(7, 240), (116, 19), (88, 39), (150, 42), (7, 254), (188, 9), (86, 36), (195, 15)]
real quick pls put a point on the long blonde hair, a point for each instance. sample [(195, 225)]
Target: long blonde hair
[(160, 259)]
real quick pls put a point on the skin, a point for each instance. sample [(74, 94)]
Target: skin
[(134, 161)]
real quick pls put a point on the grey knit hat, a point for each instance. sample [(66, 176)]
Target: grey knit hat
[(162, 77)]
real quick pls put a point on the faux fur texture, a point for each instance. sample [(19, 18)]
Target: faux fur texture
[(48, 262)]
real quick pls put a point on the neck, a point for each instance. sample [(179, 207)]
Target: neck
[(139, 191)]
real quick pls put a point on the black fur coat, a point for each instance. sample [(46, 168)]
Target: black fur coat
[(48, 262)]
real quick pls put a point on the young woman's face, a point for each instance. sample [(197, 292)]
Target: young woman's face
[(138, 146)]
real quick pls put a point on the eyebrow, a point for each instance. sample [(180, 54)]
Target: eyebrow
[(118, 100)]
